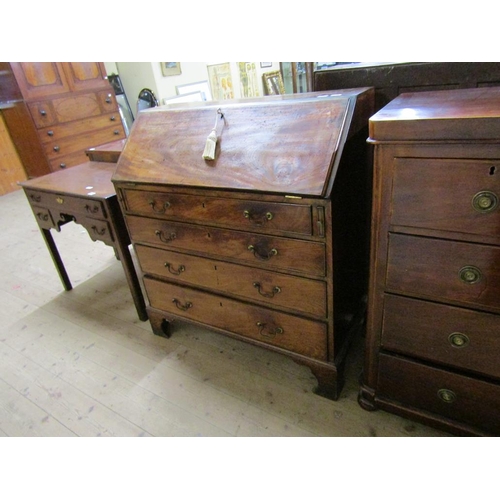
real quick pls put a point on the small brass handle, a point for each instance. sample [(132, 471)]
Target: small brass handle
[(261, 256), (36, 197), (446, 396), (171, 270), (470, 274), (182, 307), (160, 210), (485, 201), (458, 339), (270, 295), (165, 239), (272, 332), (43, 217), (92, 210), (258, 219), (100, 232)]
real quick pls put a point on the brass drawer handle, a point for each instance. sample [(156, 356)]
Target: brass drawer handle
[(92, 210), (258, 219), (446, 396), (458, 339), (261, 256), (171, 270), (182, 307), (165, 239), (485, 201), (100, 232), (270, 295), (160, 210), (470, 274), (36, 197), (42, 217), (272, 332)]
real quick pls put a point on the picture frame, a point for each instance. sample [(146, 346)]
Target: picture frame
[(188, 97), (202, 87), (273, 83), (221, 81), (266, 64), (170, 68)]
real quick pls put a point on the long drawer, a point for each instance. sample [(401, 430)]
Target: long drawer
[(288, 332), (286, 254), (68, 145), (458, 272), (431, 193), (61, 202), (465, 399), (447, 335), (266, 217), (275, 289)]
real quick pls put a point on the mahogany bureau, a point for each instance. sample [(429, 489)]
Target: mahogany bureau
[(433, 325), (267, 242)]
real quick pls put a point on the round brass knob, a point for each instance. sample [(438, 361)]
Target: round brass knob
[(458, 339), (470, 274), (50, 133), (43, 112), (446, 396), (485, 201), (56, 148)]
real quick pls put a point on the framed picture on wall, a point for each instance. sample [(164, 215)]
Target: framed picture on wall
[(170, 68), (221, 81), (202, 87)]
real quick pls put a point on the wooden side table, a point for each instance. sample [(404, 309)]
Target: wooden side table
[(84, 194)]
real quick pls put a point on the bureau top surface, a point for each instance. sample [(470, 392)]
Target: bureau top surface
[(90, 179), (462, 114), (278, 144)]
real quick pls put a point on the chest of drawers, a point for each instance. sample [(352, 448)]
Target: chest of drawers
[(433, 328), (265, 242)]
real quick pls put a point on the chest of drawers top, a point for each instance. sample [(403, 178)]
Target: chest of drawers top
[(281, 144)]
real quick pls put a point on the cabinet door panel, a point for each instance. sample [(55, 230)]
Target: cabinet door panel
[(40, 79), (86, 75)]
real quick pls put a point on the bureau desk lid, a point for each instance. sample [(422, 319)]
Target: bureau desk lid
[(278, 144), (440, 115)]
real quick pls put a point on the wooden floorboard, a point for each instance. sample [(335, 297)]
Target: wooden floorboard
[(80, 363)]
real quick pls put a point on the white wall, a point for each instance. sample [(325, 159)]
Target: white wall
[(138, 75)]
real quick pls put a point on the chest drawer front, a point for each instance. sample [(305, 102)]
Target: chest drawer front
[(448, 335), (450, 195), (50, 135), (58, 148), (464, 273), (454, 396), (43, 113), (275, 289), (266, 217), (270, 252), (288, 332)]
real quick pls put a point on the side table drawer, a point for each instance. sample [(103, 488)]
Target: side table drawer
[(457, 272), (266, 217), (281, 330), (99, 230), (43, 217), (447, 335), (276, 289), (475, 402)]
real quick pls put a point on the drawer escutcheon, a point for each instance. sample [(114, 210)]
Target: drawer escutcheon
[(446, 396), (470, 275)]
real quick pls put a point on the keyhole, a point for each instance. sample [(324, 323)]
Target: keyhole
[(492, 170)]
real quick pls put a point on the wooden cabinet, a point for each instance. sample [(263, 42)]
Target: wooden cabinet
[(433, 330), (264, 243), (66, 107)]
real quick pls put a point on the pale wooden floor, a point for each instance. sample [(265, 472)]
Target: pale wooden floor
[(80, 363)]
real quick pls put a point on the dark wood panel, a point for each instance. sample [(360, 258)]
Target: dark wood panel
[(390, 80)]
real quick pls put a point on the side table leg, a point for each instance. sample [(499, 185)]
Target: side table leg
[(122, 252), (54, 253)]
